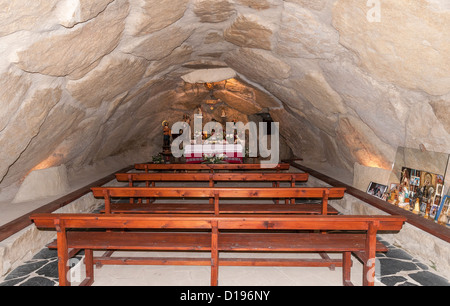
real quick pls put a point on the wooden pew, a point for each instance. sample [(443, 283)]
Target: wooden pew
[(151, 178), (219, 233), (211, 167), (212, 177), (215, 194)]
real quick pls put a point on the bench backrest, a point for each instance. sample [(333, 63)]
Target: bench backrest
[(217, 193), (212, 177), (208, 221), (221, 192), (212, 167)]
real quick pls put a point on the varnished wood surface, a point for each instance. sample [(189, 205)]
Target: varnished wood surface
[(235, 208), (237, 242), (219, 177), (229, 221), (212, 167), (222, 192)]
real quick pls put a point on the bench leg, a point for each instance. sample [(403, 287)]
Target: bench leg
[(89, 263), (214, 255), (63, 254), (369, 272), (346, 268), (370, 253)]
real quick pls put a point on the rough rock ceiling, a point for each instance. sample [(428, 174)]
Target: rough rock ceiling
[(84, 80)]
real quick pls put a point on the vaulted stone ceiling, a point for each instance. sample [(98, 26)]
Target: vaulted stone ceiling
[(84, 80)]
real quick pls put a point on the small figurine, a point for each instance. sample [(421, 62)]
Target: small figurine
[(427, 209), (416, 207), (187, 119), (166, 133), (400, 199)]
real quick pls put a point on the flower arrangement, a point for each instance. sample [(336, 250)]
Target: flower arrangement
[(213, 158), (158, 159)]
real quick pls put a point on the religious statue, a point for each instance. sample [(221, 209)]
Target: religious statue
[(187, 119), (166, 134), (417, 207), (428, 207)]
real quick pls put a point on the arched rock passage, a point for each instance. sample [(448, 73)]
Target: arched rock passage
[(84, 81)]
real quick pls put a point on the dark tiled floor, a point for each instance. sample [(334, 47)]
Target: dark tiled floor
[(397, 268)]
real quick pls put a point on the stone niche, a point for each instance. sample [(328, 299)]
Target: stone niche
[(419, 159), (431, 249), (43, 183)]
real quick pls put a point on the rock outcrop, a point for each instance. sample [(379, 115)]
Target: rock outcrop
[(84, 80)]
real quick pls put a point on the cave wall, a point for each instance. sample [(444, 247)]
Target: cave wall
[(349, 80)]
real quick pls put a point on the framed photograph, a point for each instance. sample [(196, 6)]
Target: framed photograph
[(405, 176), (376, 189), (442, 214), (393, 186), (434, 207), (415, 181), (439, 190)]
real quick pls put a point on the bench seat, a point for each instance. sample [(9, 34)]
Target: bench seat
[(238, 242), (183, 208), (216, 195)]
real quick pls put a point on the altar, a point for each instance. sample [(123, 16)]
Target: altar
[(231, 153)]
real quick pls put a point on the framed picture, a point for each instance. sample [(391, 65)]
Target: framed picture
[(405, 176), (442, 214), (434, 207), (439, 190), (415, 180), (376, 189)]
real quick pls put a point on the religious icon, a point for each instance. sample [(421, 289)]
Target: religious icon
[(442, 215), (166, 133), (416, 207)]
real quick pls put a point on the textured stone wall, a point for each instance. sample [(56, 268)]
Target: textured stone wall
[(348, 80)]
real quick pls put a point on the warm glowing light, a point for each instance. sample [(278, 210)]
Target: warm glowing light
[(52, 161), (48, 163), (372, 161)]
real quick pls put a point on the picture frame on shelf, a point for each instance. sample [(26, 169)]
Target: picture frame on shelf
[(377, 190), (442, 215), (415, 180), (434, 207)]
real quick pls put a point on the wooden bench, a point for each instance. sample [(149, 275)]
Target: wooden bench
[(211, 167), (215, 194), (150, 179), (216, 234)]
